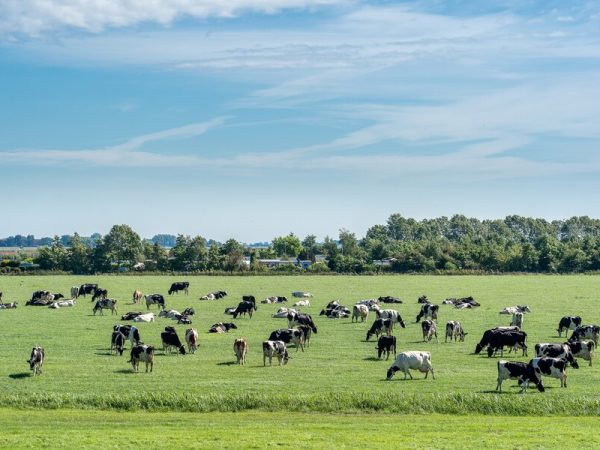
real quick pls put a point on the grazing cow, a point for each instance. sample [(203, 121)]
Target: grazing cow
[(222, 327), (130, 332), (586, 332), (380, 326), (36, 360), (550, 367), (144, 353), (511, 339), (305, 303), (179, 286), (75, 292), (155, 299), (360, 312), (428, 310), (512, 370), (117, 342), (131, 315), (429, 329), (386, 344), (582, 349), (292, 335), (568, 323), (509, 310), (306, 333), (556, 351), (277, 349), (389, 314), (389, 299), (454, 330), (295, 318), (487, 337), (423, 300), (99, 293), (282, 313), (240, 348), (137, 296), (107, 303), (147, 317), (249, 299), (170, 340), (300, 294), (243, 308), (405, 361), (87, 288), (517, 320), (191, 339)]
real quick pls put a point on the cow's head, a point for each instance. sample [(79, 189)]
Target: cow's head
[(391, 371)]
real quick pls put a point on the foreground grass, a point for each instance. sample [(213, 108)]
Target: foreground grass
[(101, 429)]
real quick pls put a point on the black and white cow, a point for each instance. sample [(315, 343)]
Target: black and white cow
[(306, 333), (568, 323), (510, 310), (513, 370), (454, 330), (295, 318), (380, 326), (428, 310), (130, 332), (143, 353), (551, 367), (586, 332), (405, 361), (222, 327), (386, 344), (188, 312), (117, 342), (423, 300), (87, 288), (179, 286), (155, 299), (389, 299), (290, 335), (277, 349), (510, 339), (274, 299), (244, 308), (429, 329), (171, 340), (36, 360), (556, 351), (37, 295), (582, 349), (487, 336), (389, 314), (131, 315), (107, 303), (99, 293)]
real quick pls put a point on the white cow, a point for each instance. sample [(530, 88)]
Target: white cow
[(405, 361), (388, 314), (74, 292), (148, 317), (302, 303), (517, 320), (169, 314), (515, 309), (282, 313), (360, 311)]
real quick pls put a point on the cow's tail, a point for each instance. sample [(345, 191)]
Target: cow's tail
[(313, 327)]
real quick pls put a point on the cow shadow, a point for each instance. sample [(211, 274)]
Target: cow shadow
[(227, 363), (20, 375), (372, 358), (125, 371)]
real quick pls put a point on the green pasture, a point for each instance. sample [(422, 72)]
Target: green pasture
[(337, 373)]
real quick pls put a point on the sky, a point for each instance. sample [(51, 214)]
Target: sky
[(255, 118)]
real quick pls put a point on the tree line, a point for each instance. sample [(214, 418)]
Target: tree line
[(401, 245)]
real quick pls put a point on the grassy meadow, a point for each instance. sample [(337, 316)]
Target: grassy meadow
[(339, 372)]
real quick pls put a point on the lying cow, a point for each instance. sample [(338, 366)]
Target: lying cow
[(143, 353), (389, 299), (274, 299), (222, 327), (131, 315), (36, 360), (147, 317), (277, 349), (240, 348), (509, 310), (282, 313), (300, 294), (454, 330), (386, 344), (305, 303), (405, 361)]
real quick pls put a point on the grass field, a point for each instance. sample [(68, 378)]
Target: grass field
[(337, 373)]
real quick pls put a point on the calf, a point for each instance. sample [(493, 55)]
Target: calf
[(222, 327), (511, 339), (551, 367), (243, 308), (117, 342), (380, 326), (429, 329), (428, 310), (568, 323), (454, 330), (277, 349), (586, 332), (179, 286), (143, 353), (295, 318), (188, 312), (240, 348), (107, 303), (155, 299), (512, 370), (360, 311), (36, 360), (170, 340), (582, 349), (386, 344), (191, 339), (148, 317), (137, 296), (556, 351), (405, 361), (289, 335)]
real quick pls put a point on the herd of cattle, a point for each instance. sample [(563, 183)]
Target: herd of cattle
[(551, 359)]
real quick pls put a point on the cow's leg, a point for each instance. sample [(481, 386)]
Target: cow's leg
[(563, 381)]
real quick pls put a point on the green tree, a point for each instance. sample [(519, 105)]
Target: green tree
[(79, 256), (288, 245), (122, 246), (54, 257)]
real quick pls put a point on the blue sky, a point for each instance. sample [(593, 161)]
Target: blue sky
[(254, 118)]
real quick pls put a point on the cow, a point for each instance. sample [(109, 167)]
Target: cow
[(249, 299), (147, 317), (512, 370), (517, 320), (454, 330), (137, 296), (360, 312), (170, 340), (282, 313), (370, 303), (389, 314), (277, 349), (230, 310), (509, 310), (428, 310), (405, 361), (289, 335), (550, 367), (130, 332), (131, 315), (62, 304), (380, 326), (389, 299), (155, 299), (188, 312), (306, 333), (40, 295), (99, 293), (300, 294), (424, 300), (87, 288), (107, 303), (168, 313), (179, 286), (582, 349), (386, 344), (305, 303), (243, 308), (222, 327), (75, 292), (556, 351), (191, 339), (144, 353), (464, 302), (511, 339), (295, 318), (11, 305), (240, 348), (586, 332), (36, 360), (335, 310), (429, 329), (274, 299), (568, 323), (214, 295), (487, 337), (184, 320), (117, 342)]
